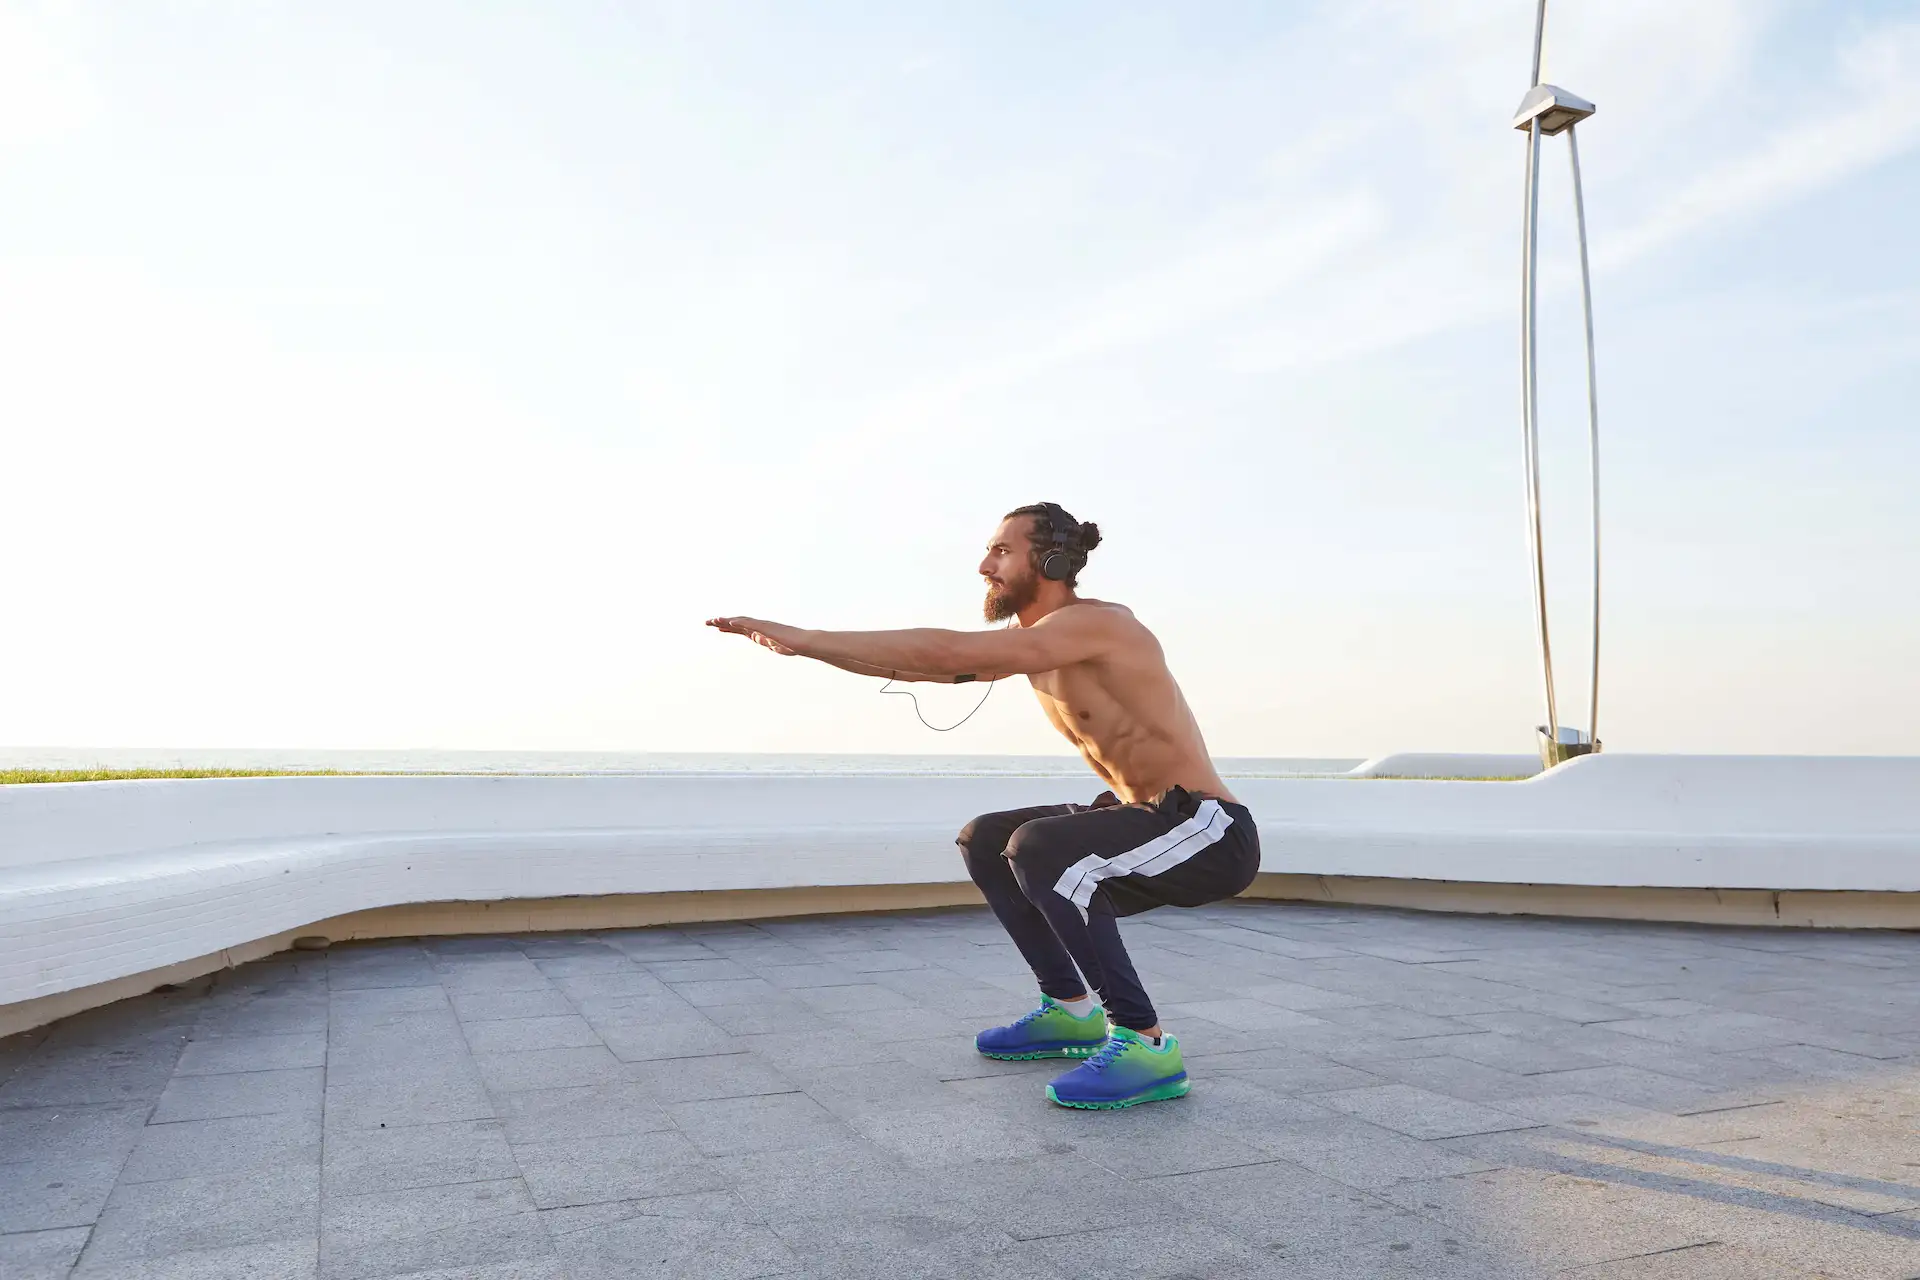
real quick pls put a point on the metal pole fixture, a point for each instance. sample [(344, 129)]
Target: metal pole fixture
[(1549, 110)]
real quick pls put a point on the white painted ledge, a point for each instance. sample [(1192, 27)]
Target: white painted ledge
[(99, 881)]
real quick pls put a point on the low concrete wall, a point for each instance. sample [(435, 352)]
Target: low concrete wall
[(100, 882)]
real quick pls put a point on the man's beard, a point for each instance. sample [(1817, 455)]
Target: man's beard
[(1004, 599)]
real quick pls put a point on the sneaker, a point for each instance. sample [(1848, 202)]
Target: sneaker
[(1051, 1031), (1127, 1071)]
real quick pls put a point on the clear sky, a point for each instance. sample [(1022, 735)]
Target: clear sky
[(387, 375)]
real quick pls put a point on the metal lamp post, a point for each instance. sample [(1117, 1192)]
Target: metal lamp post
[(1548, 109)]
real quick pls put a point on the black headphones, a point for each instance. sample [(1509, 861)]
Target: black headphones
[(1057, 565)]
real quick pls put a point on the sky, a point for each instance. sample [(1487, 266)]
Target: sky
[(422, 375)]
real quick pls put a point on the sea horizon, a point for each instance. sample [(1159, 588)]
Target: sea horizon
[(426, 760)]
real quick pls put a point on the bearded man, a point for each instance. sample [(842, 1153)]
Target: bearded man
[(1167, 832)]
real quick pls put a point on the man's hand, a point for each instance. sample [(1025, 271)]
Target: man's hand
[(773, 635)]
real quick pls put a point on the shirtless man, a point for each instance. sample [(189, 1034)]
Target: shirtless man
[(1168, 833)]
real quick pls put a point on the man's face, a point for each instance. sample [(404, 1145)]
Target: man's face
[(1012, 581)]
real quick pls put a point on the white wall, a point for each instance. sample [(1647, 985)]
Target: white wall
[(100, 880)]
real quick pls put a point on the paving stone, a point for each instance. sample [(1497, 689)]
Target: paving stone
[(1281, 1070), (150, 1220), (359, 1161), (55, 1192), (1394, 1022), (457, 1227), (67, 1134), (1055, 1195), (485, 1006), (1166, 1250), (243, 1093), (675, 1247), (1711, 1261), (766, 1017), (514, 975), (865, 997), (1631, 1084), (733, 1075), (789, 977), (621, 982), (647, 945), (398, 1102), (252, 1053), (715, 969), (651, 1041), (1458, 1078), (264, 1017), (723, 991), (582, 1111), (773, 1122), (236, 1144), (863, 1088), (549, 1068), (1551, 1221), (135, 1072), (1716, 1032), (711, 1206), (275, 1260), (510, 1035), (384, 1006), (41, 1255), (952, 1134), (1300, 996), (621, 1167), (930, 1239), (897, 1026), (595, 960), (1419, 1113), (1243, 1015), (374, 977)]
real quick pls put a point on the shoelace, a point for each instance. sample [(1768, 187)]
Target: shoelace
[(1104, 1056), (1025, 1018)]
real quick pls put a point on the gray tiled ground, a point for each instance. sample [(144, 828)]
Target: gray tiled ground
[(1376, 1094)]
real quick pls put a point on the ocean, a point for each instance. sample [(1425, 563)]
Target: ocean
[(669, 763)]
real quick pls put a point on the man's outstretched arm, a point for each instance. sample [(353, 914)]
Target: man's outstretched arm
[(1071, 635), (902, 677)]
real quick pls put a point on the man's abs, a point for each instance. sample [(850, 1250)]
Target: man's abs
[(1132, 726)]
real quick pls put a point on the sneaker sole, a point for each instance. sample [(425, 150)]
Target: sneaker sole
[(1159, 1093), (1071, 1051)]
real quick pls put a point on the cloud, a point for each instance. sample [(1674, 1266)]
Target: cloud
[(1874, 122)]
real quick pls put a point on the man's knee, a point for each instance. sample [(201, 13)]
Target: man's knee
[(1034, 849), (983, 840)]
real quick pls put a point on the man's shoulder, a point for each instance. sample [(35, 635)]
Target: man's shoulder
[(1084, 612)]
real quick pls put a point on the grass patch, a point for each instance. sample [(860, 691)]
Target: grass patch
[(14, 776)]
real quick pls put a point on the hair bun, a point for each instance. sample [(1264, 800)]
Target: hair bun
[(1089, 536)]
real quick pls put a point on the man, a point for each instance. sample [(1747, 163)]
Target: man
[(1058, 876)]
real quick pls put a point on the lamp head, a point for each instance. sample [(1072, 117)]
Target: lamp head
[(1555, 108)]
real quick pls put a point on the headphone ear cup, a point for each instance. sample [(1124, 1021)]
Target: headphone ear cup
[(1056, 566)]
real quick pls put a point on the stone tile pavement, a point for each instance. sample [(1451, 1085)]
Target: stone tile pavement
[(1378, 1094)]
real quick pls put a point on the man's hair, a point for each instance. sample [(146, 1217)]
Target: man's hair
[(1082, 536)]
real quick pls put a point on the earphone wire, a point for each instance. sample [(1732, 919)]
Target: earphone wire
[(908, 693)]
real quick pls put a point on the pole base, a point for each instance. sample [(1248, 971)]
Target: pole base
[(1570, 743)]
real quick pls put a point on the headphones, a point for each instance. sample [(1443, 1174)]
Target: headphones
[(1057, 565)]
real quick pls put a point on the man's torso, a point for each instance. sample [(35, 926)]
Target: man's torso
[(1126, 715)]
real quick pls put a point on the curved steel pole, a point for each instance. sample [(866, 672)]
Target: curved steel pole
[(1593, 423), (1539, 38), (1530, 411)]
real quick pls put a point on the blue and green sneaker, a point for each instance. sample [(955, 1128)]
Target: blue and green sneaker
[(1050, 1031), (1127, 1071)]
